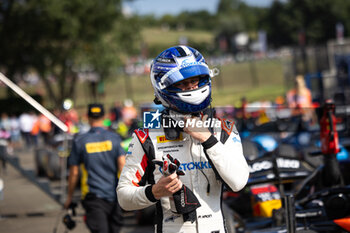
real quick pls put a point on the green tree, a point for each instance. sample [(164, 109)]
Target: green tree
[(251, 17), (227, 7), (279, 25), (230, 22), (58, 37), (202, 20), (317, 19)]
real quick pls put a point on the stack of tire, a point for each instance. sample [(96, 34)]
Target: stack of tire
[(47, 163)]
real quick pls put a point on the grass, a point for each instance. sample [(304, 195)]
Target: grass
[(165, 38), (234, 82)]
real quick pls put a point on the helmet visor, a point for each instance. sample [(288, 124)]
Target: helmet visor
[(199, 82), (177, 75)]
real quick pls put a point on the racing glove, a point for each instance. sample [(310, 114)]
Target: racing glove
[(185, 201)]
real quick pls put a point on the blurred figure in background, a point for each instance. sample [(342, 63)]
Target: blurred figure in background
[(15, 131), (83, 124), (101, 158), (45, 128), (299, 99), (5, 122), (116, 112), (34, 133), (280, 102), (70, 116), (129, 120), (26, 124), (129, 112), (5, 143)]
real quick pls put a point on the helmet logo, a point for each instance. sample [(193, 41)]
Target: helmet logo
[(185, 61)]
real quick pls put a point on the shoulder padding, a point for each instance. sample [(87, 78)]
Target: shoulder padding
[(227, 125), (142, 134)]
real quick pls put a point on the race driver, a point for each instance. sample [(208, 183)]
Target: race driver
[(206, 153)]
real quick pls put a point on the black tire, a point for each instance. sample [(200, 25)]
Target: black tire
[(41, 161), (314, 161), (53, 168), (250, 150), (287, 150)]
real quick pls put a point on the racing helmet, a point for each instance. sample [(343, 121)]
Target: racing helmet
[(174, 65)]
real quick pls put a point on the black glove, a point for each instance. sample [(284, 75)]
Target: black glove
[(185, 201)]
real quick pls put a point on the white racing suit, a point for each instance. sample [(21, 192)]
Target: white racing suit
[(219, 160)]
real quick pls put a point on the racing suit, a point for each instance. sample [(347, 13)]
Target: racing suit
[(207, 167)]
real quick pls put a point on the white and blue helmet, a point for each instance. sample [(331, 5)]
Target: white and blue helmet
[(174, 65)]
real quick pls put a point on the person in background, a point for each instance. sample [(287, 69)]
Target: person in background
[(34, 133), (129, 113), (69, 116), (129, 123), (181, 167), (5, 128), (299, 99), (45, 128), (116, 112), (5, 122), (26, 123), (101, 158), (15, 131)]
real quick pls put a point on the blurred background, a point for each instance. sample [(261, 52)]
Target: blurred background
[(101, 51), (69, 53)]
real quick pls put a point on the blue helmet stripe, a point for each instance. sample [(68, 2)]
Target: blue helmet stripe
[(184, 73), (181, 51)]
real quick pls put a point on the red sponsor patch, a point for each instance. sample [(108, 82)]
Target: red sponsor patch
[(142, 134)]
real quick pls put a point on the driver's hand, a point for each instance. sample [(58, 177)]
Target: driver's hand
[(166, 186), (197, 130)]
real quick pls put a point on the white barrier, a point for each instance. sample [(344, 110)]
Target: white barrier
[(33, 102)]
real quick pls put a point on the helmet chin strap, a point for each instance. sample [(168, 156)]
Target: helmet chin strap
[(179, 113), (176, 111), (157, 101)]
